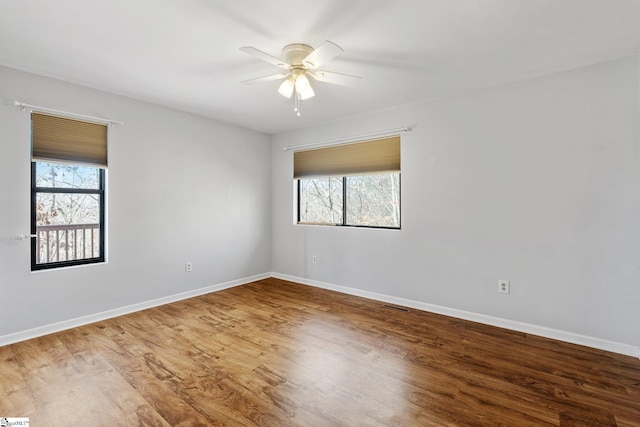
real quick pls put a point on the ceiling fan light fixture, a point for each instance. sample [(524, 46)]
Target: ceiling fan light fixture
[(303, 87), (286, 88), (302, 82), (306, 93)]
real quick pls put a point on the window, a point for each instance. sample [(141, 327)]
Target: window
[(350, 185), (370, 200), (67, 192), (69, 213), (373, 200), (320, 200)]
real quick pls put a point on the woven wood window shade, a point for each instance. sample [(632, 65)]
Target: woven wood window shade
[(61, 139), (378, 155)]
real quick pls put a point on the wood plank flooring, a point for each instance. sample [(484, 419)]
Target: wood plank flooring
[(276, 353)]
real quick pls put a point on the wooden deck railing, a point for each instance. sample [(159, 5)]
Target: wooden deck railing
[(67, 242)]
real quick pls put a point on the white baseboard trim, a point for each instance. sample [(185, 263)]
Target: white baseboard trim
[(542, 331), (109, 314)]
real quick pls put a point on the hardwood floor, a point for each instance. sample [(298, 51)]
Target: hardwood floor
[(276, 353)]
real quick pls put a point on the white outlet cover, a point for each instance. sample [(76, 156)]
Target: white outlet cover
[(504, 286)]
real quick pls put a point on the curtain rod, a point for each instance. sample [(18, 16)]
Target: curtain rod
[(24, 106), (347, 140)]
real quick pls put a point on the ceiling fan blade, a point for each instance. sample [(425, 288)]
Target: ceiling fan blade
[(266, 78), (324, 53), (265, 56), (335, 78)]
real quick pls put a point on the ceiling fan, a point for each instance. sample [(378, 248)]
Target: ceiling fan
[(300, 61)]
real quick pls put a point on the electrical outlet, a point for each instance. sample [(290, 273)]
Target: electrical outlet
[(188, 267), (504, 287), (314, 259)]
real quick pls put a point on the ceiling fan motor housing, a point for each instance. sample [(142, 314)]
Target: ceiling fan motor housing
[(294, 54)]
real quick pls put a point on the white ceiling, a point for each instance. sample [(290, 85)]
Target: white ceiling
[(184, 54)]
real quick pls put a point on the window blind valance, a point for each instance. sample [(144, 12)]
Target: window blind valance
[(378, 155), (55, 138)]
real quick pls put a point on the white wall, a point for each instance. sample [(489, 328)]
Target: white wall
[(180, 188), (536, 182)]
